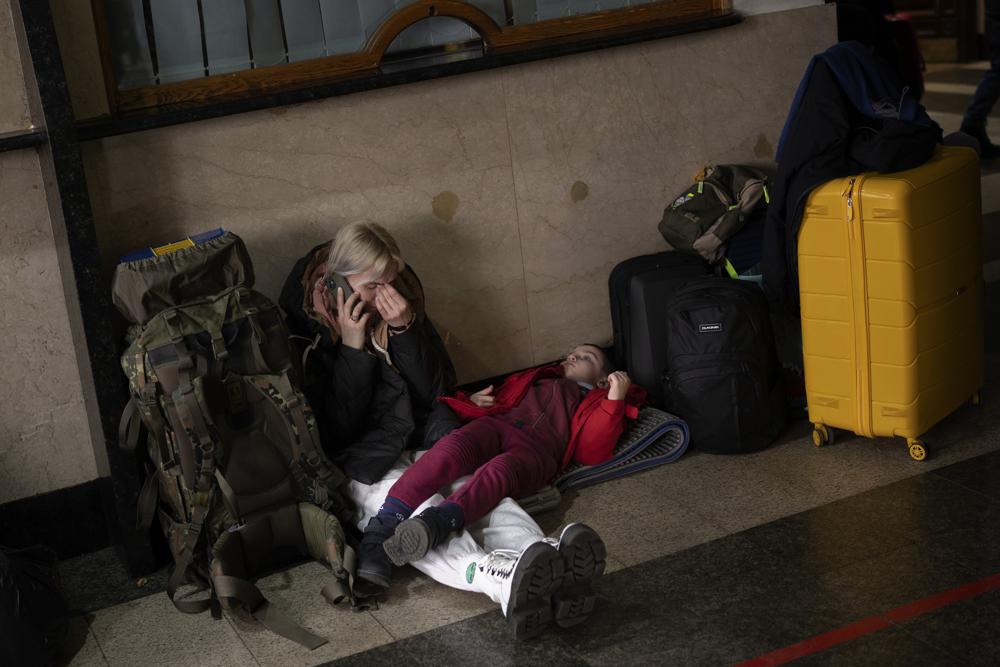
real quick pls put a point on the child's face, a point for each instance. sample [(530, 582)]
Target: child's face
[(586, 364)]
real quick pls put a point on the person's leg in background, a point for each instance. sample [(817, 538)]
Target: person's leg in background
[(988, 90)]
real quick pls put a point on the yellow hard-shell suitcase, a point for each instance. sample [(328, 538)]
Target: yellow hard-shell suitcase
[(891, 287)]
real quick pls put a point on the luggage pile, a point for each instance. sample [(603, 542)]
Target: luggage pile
[(697, 339), (871, 242)]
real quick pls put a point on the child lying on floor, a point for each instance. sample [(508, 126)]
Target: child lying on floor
[(515, 442)]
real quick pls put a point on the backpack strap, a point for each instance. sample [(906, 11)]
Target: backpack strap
[(149, 496), (248, 595), (340, 589), (252, 314), (129, 427), (143, 409), (303, 524), (192, 416), (229, 497), (325, 478), (326, 542)]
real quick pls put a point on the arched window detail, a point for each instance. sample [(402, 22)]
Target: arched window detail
[(174, 54)]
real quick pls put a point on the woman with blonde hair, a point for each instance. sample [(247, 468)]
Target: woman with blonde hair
[(374, 368), (374, 364)]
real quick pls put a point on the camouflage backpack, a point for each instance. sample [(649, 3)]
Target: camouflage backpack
[(235, 472), (705, 217)]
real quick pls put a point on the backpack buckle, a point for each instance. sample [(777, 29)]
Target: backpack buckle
[(219, 350), (238, 526)]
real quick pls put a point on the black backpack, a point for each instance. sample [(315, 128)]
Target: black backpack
[(33, 612), (722, 373)]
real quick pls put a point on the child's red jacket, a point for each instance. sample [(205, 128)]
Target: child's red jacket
[(596, 425)]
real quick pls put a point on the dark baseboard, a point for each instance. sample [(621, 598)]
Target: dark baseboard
[(70, 521)]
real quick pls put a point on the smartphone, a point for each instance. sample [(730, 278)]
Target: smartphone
[(335, 280)]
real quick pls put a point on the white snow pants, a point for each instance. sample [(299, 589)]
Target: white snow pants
[(506, 527)]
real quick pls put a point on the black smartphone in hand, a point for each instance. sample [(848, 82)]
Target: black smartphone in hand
[(335, 280)]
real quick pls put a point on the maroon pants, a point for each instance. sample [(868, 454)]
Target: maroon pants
[(505, 461)]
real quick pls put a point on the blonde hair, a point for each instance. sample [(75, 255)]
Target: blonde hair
[(363, 246)]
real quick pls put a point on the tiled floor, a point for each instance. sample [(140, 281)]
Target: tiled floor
[(712, 560)]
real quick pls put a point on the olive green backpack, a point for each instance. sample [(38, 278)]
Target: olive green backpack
[(703, 219), (236, 474)]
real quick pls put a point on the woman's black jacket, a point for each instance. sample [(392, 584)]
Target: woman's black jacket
[(369, 411)]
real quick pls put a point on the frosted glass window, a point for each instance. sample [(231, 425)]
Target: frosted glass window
[(226, 40), (162, 41), (375, 12), (127, 30), (434, 31), (342, 26), (529, 11), (551, 9), (266, 41), (177, 35), (303, 29), (495, 8)]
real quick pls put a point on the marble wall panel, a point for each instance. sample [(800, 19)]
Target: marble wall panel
[(601, 142), (14, 114), (44, 434), (513, 192), (430, 161)]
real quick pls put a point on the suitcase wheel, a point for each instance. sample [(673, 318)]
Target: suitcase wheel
[(822, 435), (918, 451)]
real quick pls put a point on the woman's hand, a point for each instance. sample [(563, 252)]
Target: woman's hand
[(393, 308), (352, 321), (349, 322), (484, 398), (319, 302), (619, 382)]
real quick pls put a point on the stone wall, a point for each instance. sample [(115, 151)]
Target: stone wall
[(45, 441), (512, 192)]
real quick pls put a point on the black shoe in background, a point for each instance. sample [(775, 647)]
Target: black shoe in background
[(987, 149)]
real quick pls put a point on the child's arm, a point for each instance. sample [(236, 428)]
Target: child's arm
[(487, 401), (599, 434)]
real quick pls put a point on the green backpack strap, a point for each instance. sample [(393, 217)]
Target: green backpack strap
[(323, 537), (143, 409), (190, 409), (249, 596), (325, 540), (129, 427), (326, 479)]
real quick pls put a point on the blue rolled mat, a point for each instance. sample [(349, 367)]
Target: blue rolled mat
[(655, 438)]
